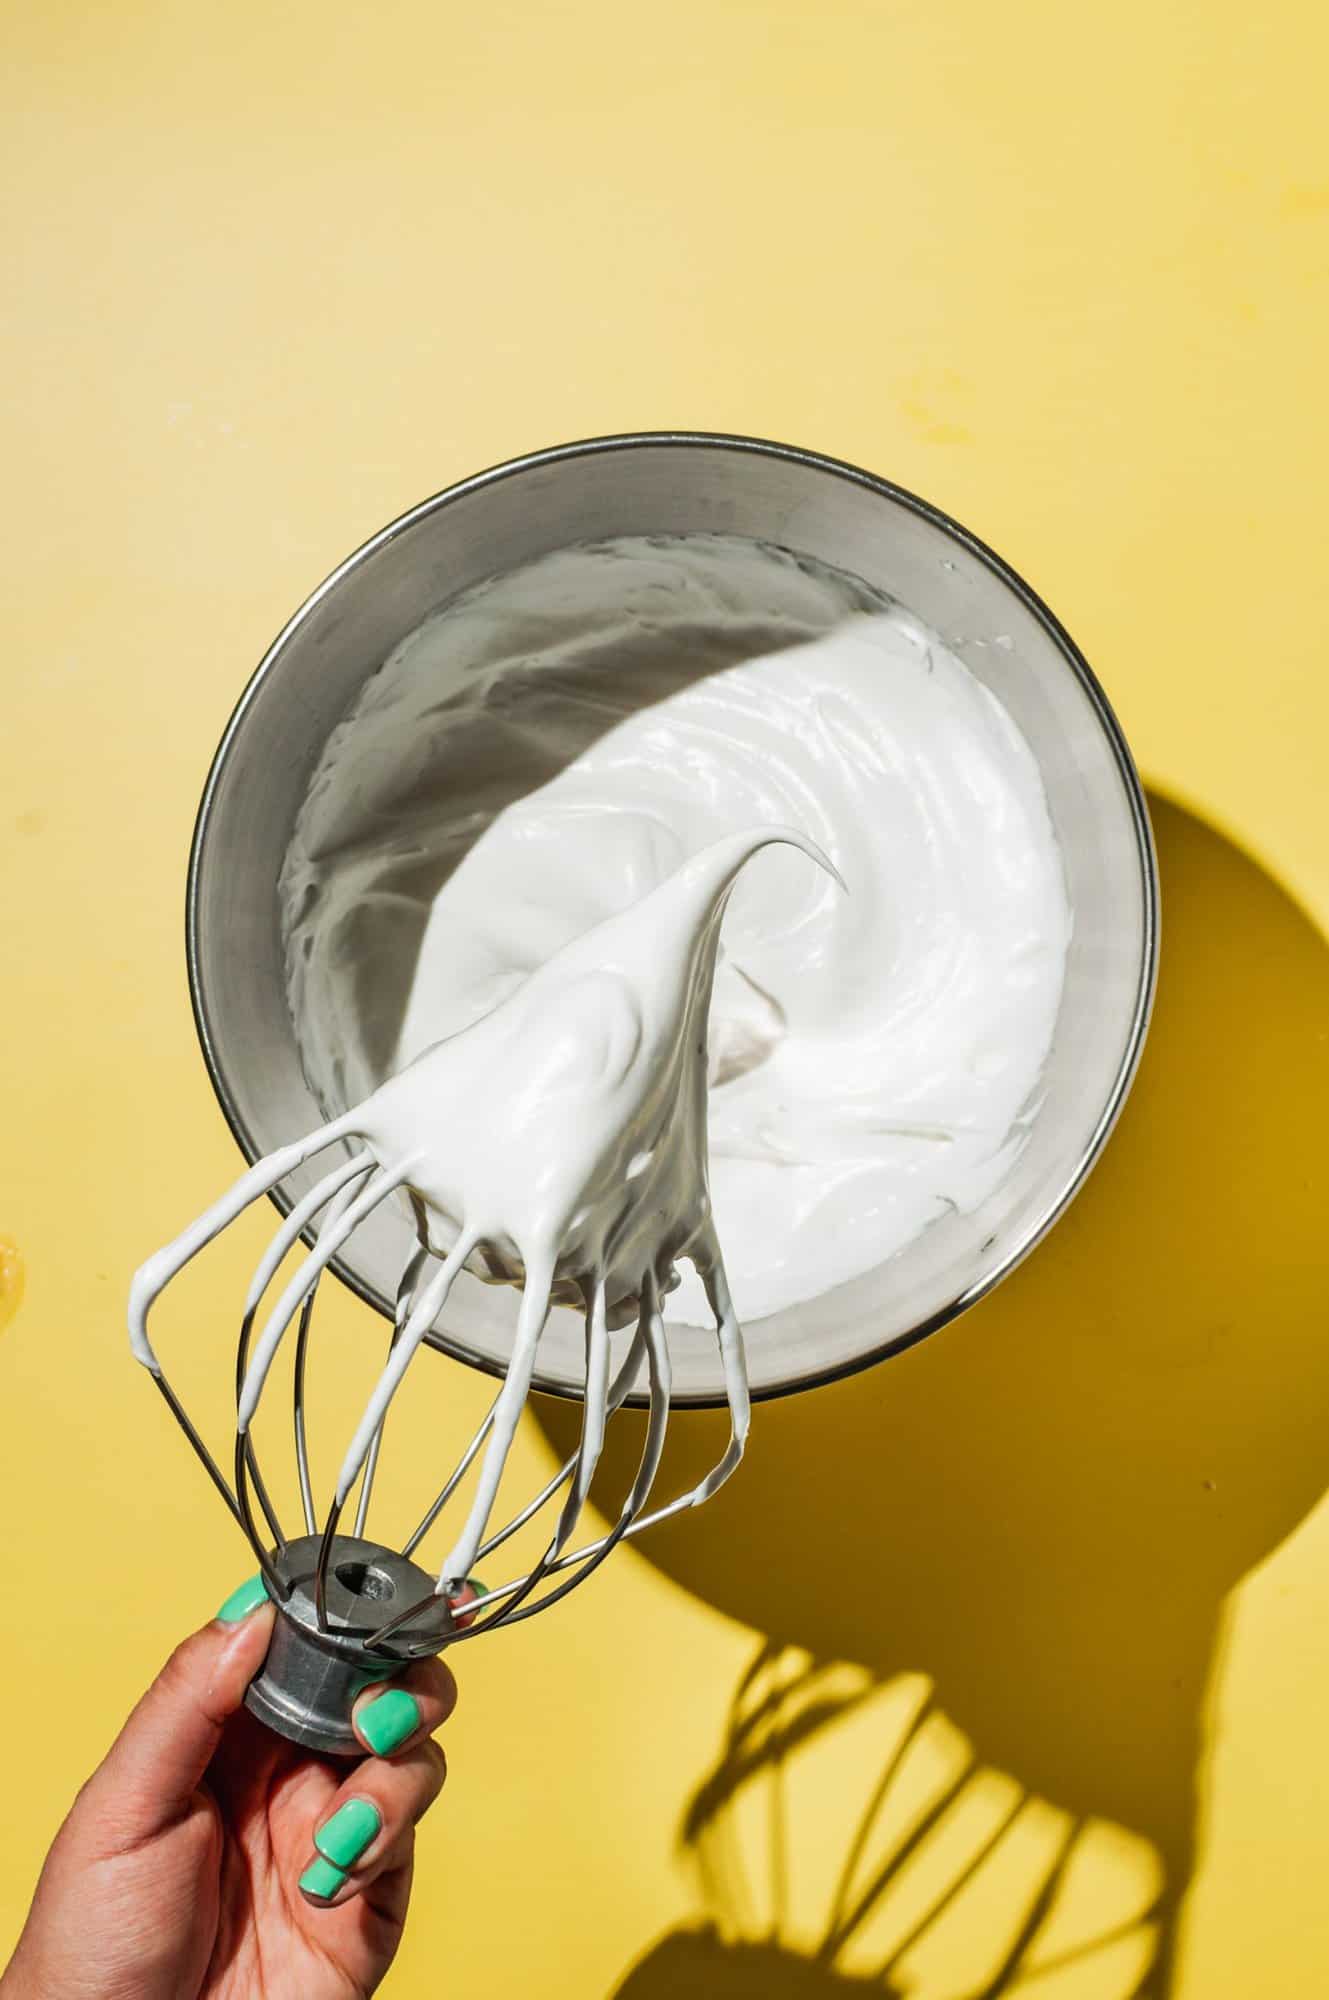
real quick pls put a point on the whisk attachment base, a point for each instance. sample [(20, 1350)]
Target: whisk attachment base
[(311, 1677)]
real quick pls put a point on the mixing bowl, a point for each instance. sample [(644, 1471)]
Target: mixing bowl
[(672, 483)]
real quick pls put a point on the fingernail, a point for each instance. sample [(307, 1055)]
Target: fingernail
[(465, 1613), (389, 1720), (246, 1597), (349, 1832), (321, 1879)]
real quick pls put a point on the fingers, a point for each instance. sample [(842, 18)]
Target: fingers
[(393, 1715), (155, 1764), (368, 1829)]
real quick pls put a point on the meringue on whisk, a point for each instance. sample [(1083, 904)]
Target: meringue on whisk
[(557, 1144)]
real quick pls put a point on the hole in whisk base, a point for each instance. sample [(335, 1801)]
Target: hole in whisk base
[(363, 1580)]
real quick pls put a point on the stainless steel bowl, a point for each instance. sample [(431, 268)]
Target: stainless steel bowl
[(682, 483)]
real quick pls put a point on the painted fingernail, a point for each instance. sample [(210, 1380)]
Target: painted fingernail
[(349, 1832), (246, 1597), (321, 1879), (388, 1721), (465, 1607)]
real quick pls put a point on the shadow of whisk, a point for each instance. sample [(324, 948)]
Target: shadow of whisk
[(996, 1572), (950, 1877)]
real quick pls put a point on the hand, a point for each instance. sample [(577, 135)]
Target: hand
[(187, 1868)]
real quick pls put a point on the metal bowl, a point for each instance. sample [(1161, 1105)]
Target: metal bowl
[(667, 483)]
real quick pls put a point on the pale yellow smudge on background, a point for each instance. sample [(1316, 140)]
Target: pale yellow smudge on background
[(11, 1281)]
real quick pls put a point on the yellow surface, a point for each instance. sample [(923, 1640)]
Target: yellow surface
[(1001, 1669)]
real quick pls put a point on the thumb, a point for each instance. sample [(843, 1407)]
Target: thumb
[(153, 1768)]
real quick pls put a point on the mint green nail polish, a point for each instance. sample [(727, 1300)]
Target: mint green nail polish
[(246, 1597), (387, 1722), (321, 1879), (349, 1832)]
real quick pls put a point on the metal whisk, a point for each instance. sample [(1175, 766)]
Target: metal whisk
[(352, 1609)]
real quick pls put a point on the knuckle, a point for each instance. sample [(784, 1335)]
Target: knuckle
[(441, 1686), (85, 1799), (434, 1776), (400, 1854), (177, 1676)]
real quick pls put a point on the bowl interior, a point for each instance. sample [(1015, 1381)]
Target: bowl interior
[(678, 485)]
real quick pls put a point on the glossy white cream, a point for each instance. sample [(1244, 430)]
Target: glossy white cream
[(552, 746)]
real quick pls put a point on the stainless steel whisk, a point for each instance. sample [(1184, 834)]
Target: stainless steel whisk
[(356, 1609), (353, 1609)]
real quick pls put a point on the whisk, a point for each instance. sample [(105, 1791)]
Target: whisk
[(557, 1144)]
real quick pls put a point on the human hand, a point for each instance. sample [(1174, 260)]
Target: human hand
[(187, 1868)]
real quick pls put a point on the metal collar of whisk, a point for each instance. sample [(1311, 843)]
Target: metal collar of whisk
[(315, 1668)]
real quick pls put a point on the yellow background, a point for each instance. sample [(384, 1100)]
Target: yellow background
[(1055, 1585)]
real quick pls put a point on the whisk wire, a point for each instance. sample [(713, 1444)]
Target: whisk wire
[(405, 1301), (298, 1414), (278, 1589), (454, 1479), (205, 1457)]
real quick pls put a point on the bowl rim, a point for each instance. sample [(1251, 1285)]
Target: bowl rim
[(974, 546)]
